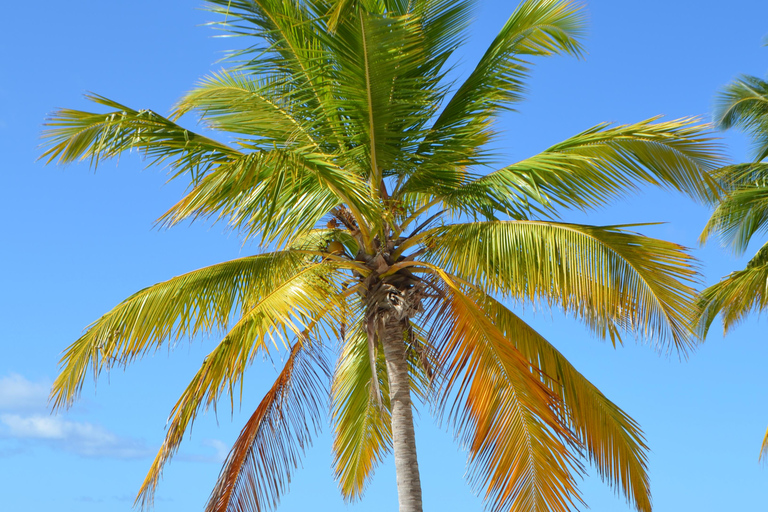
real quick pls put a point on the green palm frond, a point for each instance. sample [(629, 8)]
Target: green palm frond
[(342, 9), (304, 305), (384, 93), (742, 211), (319, 238), (736, 295), (520, 451), (72, 135), (275, 194), (444, 23), (189, 305), (588, 170), (537, 27), (744, 104), (259, 466), (739, 216), (612, 441), (237, 103), (731, 177), (294, 49), (363, 434), (613, 279)]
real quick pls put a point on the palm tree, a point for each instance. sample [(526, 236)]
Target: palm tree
[(363, 173), (742, 212)]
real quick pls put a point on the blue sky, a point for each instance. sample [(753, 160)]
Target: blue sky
[(76, 242)]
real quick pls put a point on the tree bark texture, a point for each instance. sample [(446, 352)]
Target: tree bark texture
[(403, 438)]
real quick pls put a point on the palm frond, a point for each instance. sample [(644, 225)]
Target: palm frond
[(444, 25), (363, 435), (294, 49), (186, 306), (744, 104), (302, 306), (612, 279), (613, 441), (275, 194), (237, 103), (320, 238), (383, 89), (740, 213), (259, 466), (535, 28), (72, 135), (588, 170), (739, 216), (732, 177), (521, 453), (736, 295), (340, 10)]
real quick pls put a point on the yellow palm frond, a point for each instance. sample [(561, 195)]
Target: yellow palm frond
[(73, 135), (736, 295), (611, 278), (275, 194), (584, 171), (613, 441), (305, 304), (363, 435), (198, 302), (235, 102), (521, 452), (297, 54)]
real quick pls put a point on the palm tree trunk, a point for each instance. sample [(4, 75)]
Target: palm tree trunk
[(404, 441)]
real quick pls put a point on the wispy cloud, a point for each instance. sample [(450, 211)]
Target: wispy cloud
[(221, 450), (75, 436), (18, 393), (25, 422), (89, 499), (130, 498), (122, 498), (79, 437)]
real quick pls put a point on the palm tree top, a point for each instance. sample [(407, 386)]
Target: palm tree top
[(363, 170)]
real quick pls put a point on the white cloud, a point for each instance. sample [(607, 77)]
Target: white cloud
[(18, 393), (25, 422), (222, 449), (39, 427), (80, 437), (89, 499)]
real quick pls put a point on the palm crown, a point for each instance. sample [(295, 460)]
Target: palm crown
[(742, 212), (362, 170)]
